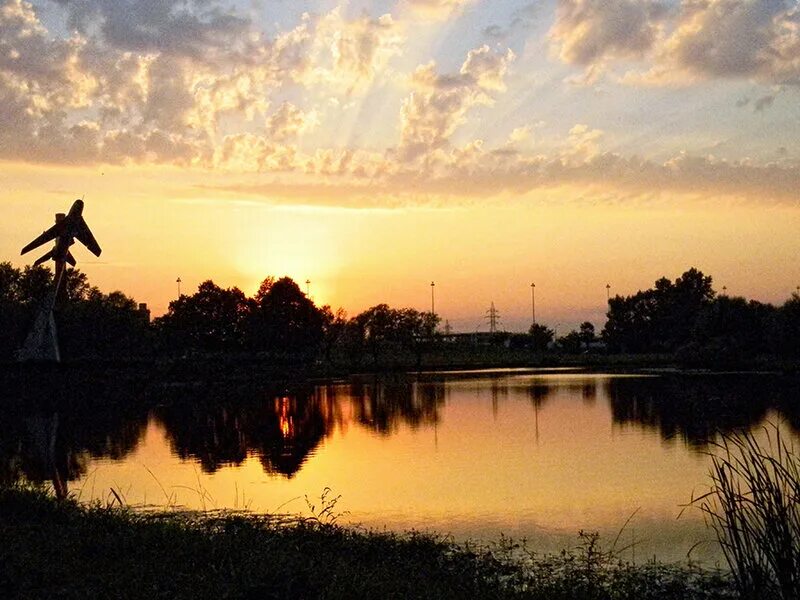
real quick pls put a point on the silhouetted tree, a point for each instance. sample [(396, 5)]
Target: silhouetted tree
[(210, 319), (731, 329), (571, 343), (660, 319), (586, 332), (541, 337), (382, 328), (334, 329), (284, 321), (786, 328), (99, 325)]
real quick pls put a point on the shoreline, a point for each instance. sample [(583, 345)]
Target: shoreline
[(61, 548)]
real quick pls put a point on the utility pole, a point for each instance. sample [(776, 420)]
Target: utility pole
[(533, 304), (178, 281), (433, 303), (493, 316)]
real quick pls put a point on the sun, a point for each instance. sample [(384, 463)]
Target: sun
[(297, 244)]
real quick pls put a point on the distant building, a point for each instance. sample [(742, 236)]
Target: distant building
[(144, 312)]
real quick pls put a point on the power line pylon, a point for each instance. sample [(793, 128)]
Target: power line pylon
[(493, 316)]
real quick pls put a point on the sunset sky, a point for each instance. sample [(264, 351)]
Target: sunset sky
[(374, 147)]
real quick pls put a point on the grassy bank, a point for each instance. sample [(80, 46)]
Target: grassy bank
[(51, 549)]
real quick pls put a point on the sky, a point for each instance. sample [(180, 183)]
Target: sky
[(372, 148)]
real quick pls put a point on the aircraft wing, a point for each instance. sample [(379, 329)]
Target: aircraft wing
[(46, 236), (84, 235)]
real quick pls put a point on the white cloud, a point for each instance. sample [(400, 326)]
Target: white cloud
[(347, 55), (289, 121), (440, 103)]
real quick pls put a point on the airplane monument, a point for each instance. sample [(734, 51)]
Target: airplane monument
[(42, 341)]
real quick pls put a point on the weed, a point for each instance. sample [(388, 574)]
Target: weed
[(753, 507)]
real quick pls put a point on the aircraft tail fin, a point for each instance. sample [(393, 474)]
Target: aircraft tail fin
[(44, 258)]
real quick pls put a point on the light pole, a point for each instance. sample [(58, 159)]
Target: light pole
[(608, 292), (178, 281), (308, 288), (433, 302), (533, 304)]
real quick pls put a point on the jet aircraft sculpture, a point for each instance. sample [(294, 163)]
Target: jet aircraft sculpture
[(67, 227), (42, 343)]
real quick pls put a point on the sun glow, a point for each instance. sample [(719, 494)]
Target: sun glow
[(278, 243)]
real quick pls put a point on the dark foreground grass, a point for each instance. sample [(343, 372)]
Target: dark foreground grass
[(51, 549)]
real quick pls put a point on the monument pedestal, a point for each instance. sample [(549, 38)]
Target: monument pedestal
[(41, 345)]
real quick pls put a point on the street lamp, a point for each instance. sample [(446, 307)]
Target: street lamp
[(533, 304), (308, 288), (608, 292), (433, 303), (178, 281)]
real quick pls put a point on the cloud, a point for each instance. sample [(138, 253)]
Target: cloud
[(589, 32), (437, 9), (439, 103), (289, 121), (694, 41), (157, 77), (347, 55), (179, 27), (521, 19), (737, 38), (764, 103)]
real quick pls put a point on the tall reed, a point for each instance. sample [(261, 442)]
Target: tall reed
[(753, 506)]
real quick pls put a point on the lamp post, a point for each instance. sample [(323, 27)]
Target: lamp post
[(308, 288), (608, 292), (533, 304), (178, 281), (433, 299)]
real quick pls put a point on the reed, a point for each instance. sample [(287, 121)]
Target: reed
[(753, 506)]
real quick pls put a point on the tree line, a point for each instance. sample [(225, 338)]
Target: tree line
[(688, 318), (685, 318)]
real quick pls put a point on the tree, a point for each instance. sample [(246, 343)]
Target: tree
[(660, 319), (586, 333), (541, 337), (102, 325), (284, 320), (570, 343), (785, 328), (210, 319), (382, 328)]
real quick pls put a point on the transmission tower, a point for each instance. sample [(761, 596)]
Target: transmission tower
[(493, 316)]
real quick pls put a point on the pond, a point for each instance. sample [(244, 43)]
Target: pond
[(535, 454)]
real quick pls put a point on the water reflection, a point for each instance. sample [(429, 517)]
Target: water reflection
[(52, 433), (695, 409), (51, 430)]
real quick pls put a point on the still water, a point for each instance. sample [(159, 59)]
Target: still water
[(533, 454)]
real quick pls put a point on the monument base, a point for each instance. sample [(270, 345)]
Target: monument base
[(41, 345)]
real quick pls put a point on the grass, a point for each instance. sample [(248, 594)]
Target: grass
[(61, 549), (754, 508)]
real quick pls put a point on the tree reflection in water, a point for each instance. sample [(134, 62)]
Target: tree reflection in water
[(50, 433)]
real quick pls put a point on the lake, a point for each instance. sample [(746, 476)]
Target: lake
[(535, 454)]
